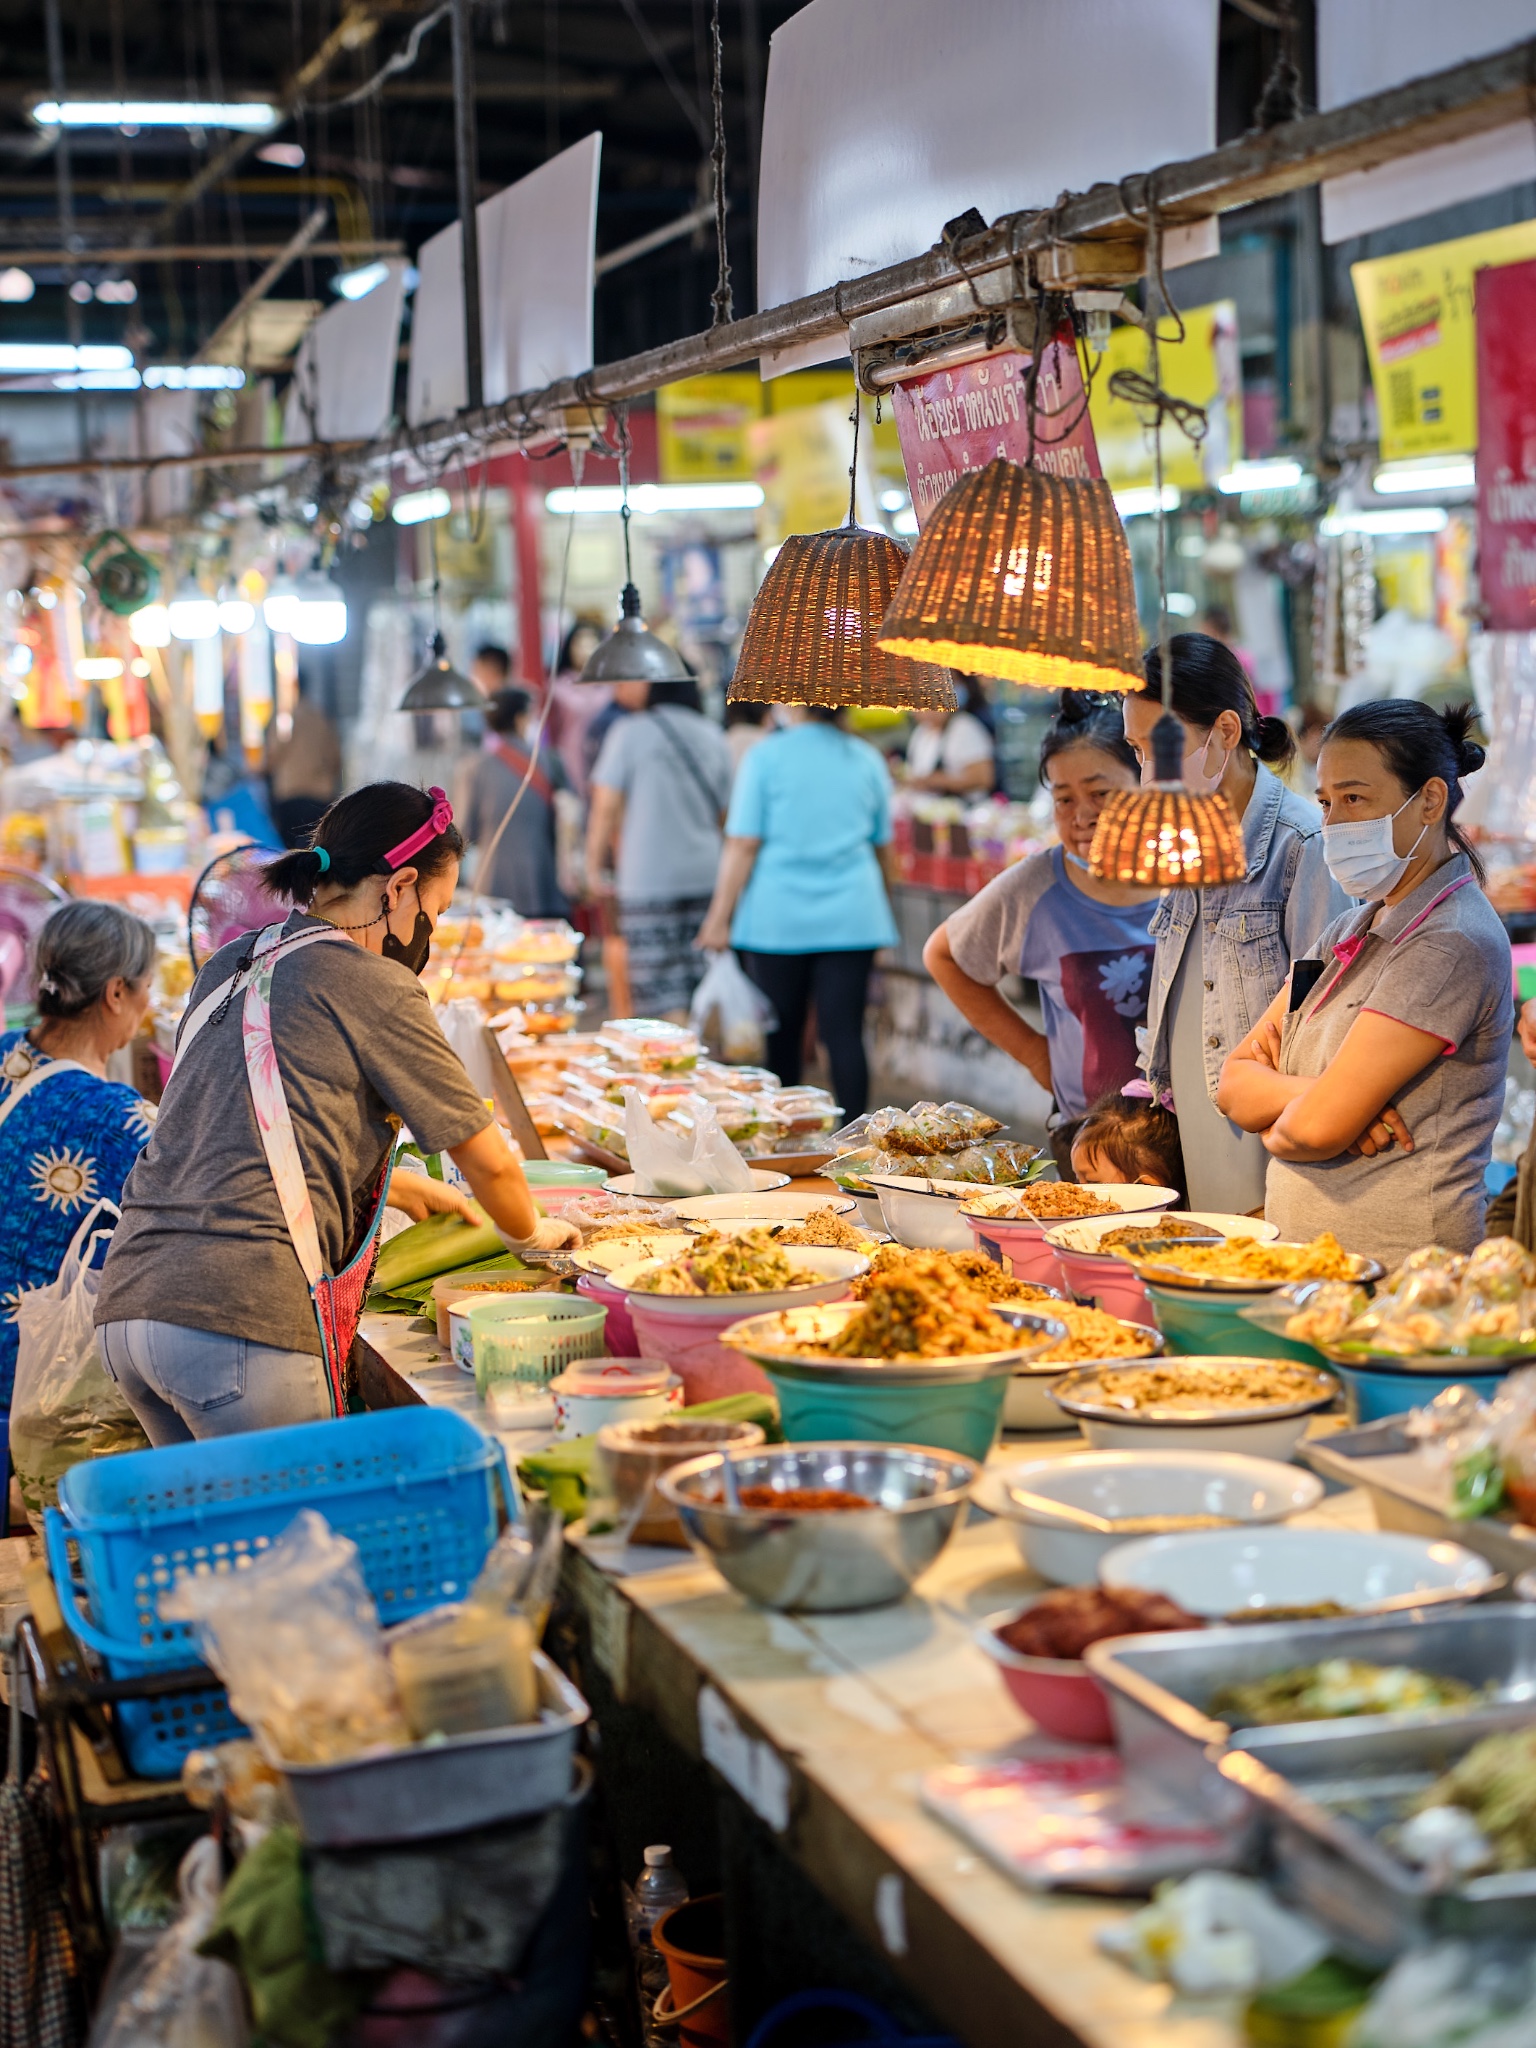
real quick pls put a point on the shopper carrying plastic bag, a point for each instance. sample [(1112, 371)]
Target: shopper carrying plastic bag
[(64, 1407), (731, 1014)]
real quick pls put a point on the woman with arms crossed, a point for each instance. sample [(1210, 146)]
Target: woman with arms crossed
[(1378, 1096)]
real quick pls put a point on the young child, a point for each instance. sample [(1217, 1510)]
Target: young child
[(1127, 1138)]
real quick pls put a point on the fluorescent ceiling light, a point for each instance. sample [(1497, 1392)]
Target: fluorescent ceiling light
[(1135, 504), (647, 499), (280, 606), (98, 380), (105, 669), (1420, 475), (151, 626), (1276, 475), (27, 358), (1404, 519), (416, 506), (192, 614), (117, 291), (357, 284), (320, 611), (288, 156), (1181, 604), (193, 377), (16, 287), (252, 116)]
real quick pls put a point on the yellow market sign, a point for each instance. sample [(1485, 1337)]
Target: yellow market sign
[(701, 427), (1420, 335), (1204, 368)]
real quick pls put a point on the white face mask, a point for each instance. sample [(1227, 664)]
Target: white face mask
[(1362, 858)]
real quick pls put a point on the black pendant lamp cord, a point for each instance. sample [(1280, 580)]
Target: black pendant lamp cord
[(853, 467), (621, 423), (720, 301)]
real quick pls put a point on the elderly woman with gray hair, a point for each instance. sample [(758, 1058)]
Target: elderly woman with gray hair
[(68, 1135)]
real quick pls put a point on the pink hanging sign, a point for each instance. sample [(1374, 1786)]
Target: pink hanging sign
[(1506, 446), (953, 421)]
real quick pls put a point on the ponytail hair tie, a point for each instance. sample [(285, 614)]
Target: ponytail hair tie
[(323, 857)]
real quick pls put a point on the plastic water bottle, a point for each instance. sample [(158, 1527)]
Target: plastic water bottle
[(659, 1887)]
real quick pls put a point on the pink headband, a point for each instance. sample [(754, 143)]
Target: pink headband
[(440, 820)]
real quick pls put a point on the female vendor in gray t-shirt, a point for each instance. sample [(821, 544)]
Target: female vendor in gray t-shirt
[(230, 1296), (1378, 1095)]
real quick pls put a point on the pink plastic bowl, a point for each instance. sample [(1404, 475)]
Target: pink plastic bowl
[(1110, 1284), (1059, 1694), (1021, 1247), (708, 1369), (618, 1330)]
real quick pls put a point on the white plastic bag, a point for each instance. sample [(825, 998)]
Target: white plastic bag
[(65, 1407), (670, 1164), (296, 1638), (173, 1997), (731, 1014)]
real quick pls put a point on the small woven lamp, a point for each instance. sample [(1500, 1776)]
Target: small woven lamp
[(1022, 575), (1163, 837), (810, 635)]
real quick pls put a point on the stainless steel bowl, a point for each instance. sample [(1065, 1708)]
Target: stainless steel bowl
[(819, 1561)]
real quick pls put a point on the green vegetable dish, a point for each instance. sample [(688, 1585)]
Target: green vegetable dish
[(1495, 1782), (719, 1264), (1336, 1689)]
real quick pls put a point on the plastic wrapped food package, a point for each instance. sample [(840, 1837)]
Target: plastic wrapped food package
[(1003, 1163), (650, 1043), (1439, 1302), (929, 1127), (1484, 1451), (296, 1638)]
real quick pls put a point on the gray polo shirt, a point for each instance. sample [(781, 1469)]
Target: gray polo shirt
[(1439, 960)]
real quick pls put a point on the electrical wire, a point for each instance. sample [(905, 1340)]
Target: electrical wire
[(402, 60), (720, 302)]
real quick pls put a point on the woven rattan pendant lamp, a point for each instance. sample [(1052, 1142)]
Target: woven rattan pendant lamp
[(812, 630), (1026, 576), (1162, 835)]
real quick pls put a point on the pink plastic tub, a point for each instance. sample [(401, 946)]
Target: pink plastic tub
[(619, 1330), (690, 1344), (1021, 1247)]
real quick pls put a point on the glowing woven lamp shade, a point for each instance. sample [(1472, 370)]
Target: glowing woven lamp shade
[(811, 633), (1022, 575), (1163, 837)]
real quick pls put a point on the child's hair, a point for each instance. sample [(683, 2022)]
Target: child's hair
[(1137, 1137)]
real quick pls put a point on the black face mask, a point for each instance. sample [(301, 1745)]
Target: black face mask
[(412, 953)]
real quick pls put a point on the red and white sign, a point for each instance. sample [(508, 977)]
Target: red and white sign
[(1506, 445), (952, 421)]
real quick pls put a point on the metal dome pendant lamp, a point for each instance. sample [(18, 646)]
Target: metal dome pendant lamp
[(437, 685), (1163, 836), (812, 631), (632, 653)]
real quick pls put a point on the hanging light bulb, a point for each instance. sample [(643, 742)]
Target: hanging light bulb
[(150, 626), (280, 606), (632, 653), (1162, 836), (438, 686), (320, 611), (192, 614), (236, 613)]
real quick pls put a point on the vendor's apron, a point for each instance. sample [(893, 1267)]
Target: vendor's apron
[(337, 1298)]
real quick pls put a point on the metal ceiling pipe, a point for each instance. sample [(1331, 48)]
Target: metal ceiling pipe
[(467, 156)]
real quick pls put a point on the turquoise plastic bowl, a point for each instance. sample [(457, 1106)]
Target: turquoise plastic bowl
[(562, 1173), (1372, 1393), (963, 1417), (1199, 1325)]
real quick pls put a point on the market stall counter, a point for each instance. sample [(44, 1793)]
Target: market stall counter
[(817, 1732)]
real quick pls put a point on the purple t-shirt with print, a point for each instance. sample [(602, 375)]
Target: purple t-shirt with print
[(1092, 963)]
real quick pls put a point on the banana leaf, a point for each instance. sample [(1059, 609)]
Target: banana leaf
[(420, 1291), (562, 1470), (441, 1244)]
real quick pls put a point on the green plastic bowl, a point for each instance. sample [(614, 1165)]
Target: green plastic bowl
[(963, 1417), (562, 1173), (1208, 1325)]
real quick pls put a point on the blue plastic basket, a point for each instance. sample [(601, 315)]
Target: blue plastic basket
[(414, 1488)]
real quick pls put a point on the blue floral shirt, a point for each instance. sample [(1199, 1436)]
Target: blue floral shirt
[(68, 1144)]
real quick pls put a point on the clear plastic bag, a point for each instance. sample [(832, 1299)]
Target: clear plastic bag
[(65, 1408), (672, 1164), (296, 1638), (173, 1997), (1315, 1312), (730, 1012), (930, 1127)]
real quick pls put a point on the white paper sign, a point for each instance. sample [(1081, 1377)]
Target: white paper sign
[(536, 272), (343, 386), (1366, 46), (886, 118)]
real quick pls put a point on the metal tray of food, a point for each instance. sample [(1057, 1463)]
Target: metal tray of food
[(1163, 1271), (1331, 1804), (1090, 1389), (1160, 1686), (1409, 1494)]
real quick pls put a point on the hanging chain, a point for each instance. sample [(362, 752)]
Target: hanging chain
[(720, 301), (853, 467), (621, 420)]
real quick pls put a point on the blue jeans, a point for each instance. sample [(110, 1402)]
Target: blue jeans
[(188, 1384)]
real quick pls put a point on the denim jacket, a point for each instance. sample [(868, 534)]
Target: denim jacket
[(1251, 930)]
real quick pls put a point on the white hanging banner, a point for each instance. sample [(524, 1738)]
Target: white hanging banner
[(886, 118), (538, 244), (537, 250), (343, 386), (1367, 46)]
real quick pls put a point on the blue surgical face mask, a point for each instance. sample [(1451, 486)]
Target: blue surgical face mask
[(1362, 858)]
